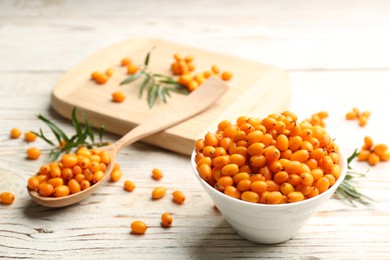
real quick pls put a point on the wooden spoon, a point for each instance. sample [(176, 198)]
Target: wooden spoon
[(180, 110)]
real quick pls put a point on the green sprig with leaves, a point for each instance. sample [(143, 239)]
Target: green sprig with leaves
[(84, 136), (347, 192), (157, 86)]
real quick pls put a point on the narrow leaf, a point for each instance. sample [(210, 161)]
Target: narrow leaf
[(161, 95), (152, 94), (88, 129), (131, 78), (147, 58), (59, 134), (353, 156), (75, 122), (101, 133), (41, 135), (143, 85)]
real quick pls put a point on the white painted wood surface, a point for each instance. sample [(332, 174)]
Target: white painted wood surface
[(336, 53)]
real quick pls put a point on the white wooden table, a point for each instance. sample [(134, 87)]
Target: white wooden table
[(337, 54)]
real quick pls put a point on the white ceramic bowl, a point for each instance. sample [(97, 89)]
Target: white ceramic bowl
[(264, 223)]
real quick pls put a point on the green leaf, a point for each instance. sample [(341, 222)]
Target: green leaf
[(101, 133), (179, 91), (353, 156), (161, 94), (152, 94), (143, 85), (75, 122), (131, 78), (88, 129), (59, 134), (41, 135), (147, 58)]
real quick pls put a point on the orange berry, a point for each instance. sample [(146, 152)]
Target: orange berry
[(118, 96), (129, 185), (166, 220), (125, 62), (138, 227), (33, 183), (15, 133), (61, 191), (157, 174), (33, 153), (132, 69), (115, 175), (178, 197), (227, 75), (158, 193), (7, 198), (109, 72), (30, 136)]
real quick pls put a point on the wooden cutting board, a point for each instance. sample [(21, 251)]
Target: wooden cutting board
[(255, 90)]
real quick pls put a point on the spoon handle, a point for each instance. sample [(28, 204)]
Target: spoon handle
[(200, 99)]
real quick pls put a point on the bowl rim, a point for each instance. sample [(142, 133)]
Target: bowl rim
[(344, 168)]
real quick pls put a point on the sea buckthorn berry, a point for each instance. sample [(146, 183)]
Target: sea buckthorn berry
[(250, 196), (224, 181), (129, 185), (322, 184), (211, 139), (57, 181), (30, 136), (109, 72), (232, 192), (300, 156), (99, 77), (33, 153), (55, 170), (85, 184), (373, 159), (105, 157), (132, 69), (295, 196), (115, 175), (158, 193), (205, 172), (368, 142), (166, 220), (230, 169), (274, 197), (259, 186), (215, 69), (45, 189), (33, 183), (157, 174), (118, 96), (281, 177), (61, 191), (66, 174), (178, 197), (97, 176), (69, 160), (244, 185), (227, 75), (7, 198), (380, 149), (125, 62), (286, 188), (138, 227), (15, 133), (307, 179), (74, 186), (240, 176)]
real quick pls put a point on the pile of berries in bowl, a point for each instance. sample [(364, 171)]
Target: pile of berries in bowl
[(268, 176)]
